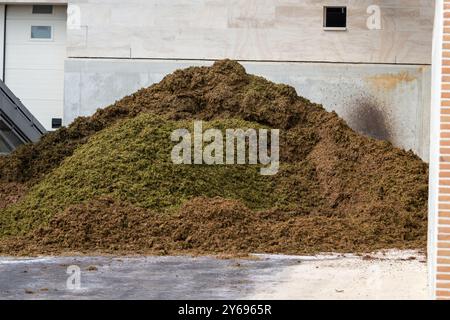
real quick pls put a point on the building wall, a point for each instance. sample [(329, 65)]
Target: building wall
[(349, 72), (275, 30), (3, 5), (361, 74), (34, 69)]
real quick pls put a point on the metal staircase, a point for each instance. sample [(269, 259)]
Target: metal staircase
[(17, 125)]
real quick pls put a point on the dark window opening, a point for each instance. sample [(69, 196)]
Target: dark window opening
[(335, 17), (8, 139), (5, 148), (42, 9), (56, 123)]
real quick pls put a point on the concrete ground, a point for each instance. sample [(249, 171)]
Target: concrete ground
[(391, 275)]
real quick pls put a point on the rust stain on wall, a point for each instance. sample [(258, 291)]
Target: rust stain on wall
[(390, 81)]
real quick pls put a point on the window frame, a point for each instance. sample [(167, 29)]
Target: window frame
[(42, 39)]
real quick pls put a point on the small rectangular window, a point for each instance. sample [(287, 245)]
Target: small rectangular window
[(42, 9), (41, 32), (56, 123), (335, 18)]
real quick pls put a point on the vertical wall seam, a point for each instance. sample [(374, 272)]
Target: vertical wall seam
[(4, 44)]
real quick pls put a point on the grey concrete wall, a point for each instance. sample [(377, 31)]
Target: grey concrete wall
[(287, 30), (385, 101)]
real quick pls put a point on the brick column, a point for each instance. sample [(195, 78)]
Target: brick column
[(439, 249)]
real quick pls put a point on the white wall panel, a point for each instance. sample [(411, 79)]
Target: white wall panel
[(35, 68)]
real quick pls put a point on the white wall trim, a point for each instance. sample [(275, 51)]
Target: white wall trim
[(433, 205)]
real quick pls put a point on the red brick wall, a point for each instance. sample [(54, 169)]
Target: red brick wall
[(443, 223)]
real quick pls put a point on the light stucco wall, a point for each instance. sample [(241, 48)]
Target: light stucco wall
[(385, 101), (287, 30)]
